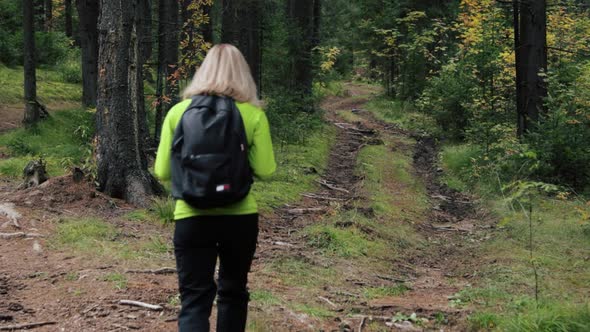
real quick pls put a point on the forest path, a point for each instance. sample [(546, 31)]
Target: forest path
[(303, 277), (428, 276)]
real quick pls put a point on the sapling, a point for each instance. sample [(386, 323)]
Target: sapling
[(524, 193)]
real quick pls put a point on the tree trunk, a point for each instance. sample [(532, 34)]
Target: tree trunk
[(145, 29), (241, 28), (88, 11), (317, 19), (32, 113), (68, 17), (301, 13), (168, 42), (48, 15), (532, 60), (520, 112), (121, 119)]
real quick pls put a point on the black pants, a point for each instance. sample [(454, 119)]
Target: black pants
[(198, 241)]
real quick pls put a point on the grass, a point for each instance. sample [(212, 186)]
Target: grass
[(61, 140), (384, 291), (51, 86), (346, 243), (118, 280), (403, 114), (298, 167), (264, 298), (504, 298), (297, 272), (93, 237)]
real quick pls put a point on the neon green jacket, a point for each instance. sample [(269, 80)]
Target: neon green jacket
[(261, 157)]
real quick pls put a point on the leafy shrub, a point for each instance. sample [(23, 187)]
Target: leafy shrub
[(291, 118), (11, 36), (18, 147), (51, 47), (562, 140), (445, 97), (71, 69)]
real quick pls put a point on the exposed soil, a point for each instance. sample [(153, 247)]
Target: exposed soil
[(39, 284)]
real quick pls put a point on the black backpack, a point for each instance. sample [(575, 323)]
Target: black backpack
[(210, 165)]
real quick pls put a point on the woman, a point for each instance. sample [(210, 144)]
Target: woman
[(229, 232)]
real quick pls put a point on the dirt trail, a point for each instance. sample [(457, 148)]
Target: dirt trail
[(454, 227), (40, 284)]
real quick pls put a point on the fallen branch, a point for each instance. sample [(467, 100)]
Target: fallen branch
[(347, 126), (18, 235), (362, 324), (164, 270), (332, 187), (303, 211), (141, 305), (25, 326), (283, 244), (325, 198), (328, 301), (390, 278)]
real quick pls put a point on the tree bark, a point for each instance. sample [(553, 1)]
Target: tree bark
[(531, 61), (121, 118), (241, 28), (301, 13), (168, 43), (88, 11), (145, 29), (32, 113), (68, 18)]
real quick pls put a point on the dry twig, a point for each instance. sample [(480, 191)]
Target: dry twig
[(25, 326), (141, 305), (164, 270), (18, 235)]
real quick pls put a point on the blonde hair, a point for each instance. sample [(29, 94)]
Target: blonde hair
[(224, 72)]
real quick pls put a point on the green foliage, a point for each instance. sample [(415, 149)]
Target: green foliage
[(51, 88), (63, 140), (163, 209), (71, 68), (118, 280), (11, 37), (82, 234), (51, 48), (264, 297), (348, 242), (290, 124), (444, 99), (562, 140), (403, 114), (384, 291), (298, 166)]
